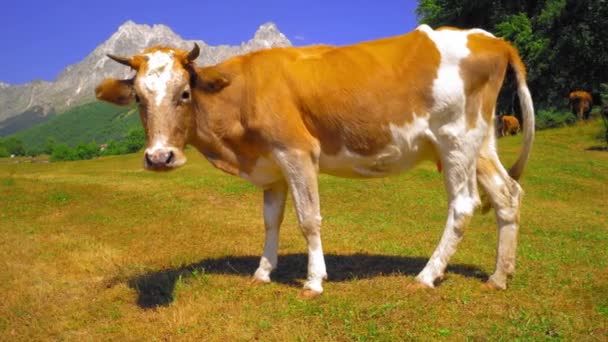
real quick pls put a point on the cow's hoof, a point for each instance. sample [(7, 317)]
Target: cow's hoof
[(308, 294), (490, 285), (258, 281), (417, 286)]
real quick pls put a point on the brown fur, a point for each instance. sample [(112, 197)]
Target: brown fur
[(509, 125), (580, 102)]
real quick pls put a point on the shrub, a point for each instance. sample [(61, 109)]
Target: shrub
[(553, 118), (86, 151), (135, 140), (4, 152), (62, 152), (13, 146)]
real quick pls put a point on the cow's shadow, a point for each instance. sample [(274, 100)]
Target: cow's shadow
[(598, 148), (156, 288)]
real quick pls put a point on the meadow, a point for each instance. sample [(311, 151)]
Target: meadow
[(103, 250)]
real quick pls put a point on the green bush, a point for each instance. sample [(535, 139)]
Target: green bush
[(114, 148), (62, 152), (135, 140), (13, 146), (86, 151), (33, 151), (553, 118), (49, 145), (4, 152)]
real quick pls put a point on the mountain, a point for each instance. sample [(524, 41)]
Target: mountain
[(76, 83), (32, 116)]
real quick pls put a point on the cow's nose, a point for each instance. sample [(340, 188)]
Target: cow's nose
[(159, 158)]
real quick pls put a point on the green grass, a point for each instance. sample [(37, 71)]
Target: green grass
[(102, 250)]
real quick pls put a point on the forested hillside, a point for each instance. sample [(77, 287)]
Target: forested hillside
[(94, 122)]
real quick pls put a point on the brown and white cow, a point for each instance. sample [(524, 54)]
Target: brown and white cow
[(278, 117), (580, 104), (509, 125)]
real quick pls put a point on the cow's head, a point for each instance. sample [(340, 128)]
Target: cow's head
[(162, 87)]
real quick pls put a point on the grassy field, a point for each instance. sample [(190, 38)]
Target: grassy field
[(102, 250)]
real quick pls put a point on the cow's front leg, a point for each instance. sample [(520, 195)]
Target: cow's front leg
[(274, 207), (300, 170)]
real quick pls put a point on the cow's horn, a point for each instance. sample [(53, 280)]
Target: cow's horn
[(193, 54), (122, 60)]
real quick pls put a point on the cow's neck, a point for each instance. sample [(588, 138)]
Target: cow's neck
[(216, 152)]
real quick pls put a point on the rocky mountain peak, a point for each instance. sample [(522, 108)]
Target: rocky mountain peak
[(76, 82), (268, 35)]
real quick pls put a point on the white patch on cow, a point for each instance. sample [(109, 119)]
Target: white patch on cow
[(464, 205), (410, 144), (448, 87), (316, 265), (160, 144), (269, 259), (480, 31), (424, 28), (158, 74), (498, 180), (264, 172)]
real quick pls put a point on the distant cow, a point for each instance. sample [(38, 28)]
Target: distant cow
[(509, 125), (278, 117), (580, 104)]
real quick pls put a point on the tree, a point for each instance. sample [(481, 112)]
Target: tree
[(135, 140), (62, 152), (86, 151), (3, 152), (563, 42), (49, 145), (14, 146)]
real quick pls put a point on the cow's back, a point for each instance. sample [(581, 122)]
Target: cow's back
[(368, 107)]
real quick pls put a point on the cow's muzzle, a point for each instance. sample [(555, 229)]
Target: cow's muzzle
[(162, 159)]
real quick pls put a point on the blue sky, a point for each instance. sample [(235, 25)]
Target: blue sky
[(40, 38)]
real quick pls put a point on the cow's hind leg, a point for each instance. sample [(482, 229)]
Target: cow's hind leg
[(459, 161), (300, 170), (505, 195), (274, 207)]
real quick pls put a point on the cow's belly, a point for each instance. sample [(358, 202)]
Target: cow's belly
[(410, 145)]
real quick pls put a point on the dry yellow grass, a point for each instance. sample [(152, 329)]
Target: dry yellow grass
[(101, 250)]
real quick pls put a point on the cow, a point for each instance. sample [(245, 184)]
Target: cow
[(278, 117), (580, 104), (509, 125)]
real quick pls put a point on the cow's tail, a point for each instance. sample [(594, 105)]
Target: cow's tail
[(527, 109)]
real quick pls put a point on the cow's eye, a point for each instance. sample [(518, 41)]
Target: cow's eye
[(185, 95), (137, 98)]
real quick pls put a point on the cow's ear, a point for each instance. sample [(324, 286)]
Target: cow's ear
[(211, 80), (115, 91)]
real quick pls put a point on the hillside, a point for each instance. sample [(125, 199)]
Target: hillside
[(93, 122), (89, 247), (29, 118)]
